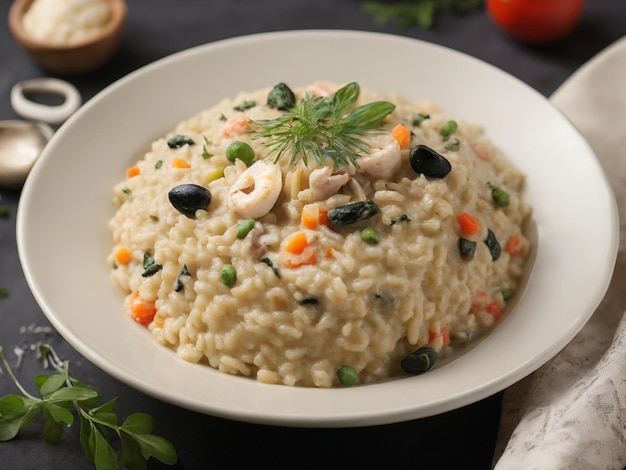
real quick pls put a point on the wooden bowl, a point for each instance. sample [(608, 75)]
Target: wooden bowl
[(72, 59)]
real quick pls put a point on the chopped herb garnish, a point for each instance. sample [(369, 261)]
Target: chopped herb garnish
[(126, 191), (420, 118), (158, 164), (245, 105), (271, 265), (205, 153), (151, 270), (179, 280), (323, 128), (61, 398), (223, 118), (148, 260), (149, 265), (154, 218), (281, 97), (179, 141), (400, 218), (507, 294)]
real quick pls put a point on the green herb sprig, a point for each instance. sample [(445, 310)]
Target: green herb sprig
[(63, 396), (323, 128), (405, 13)]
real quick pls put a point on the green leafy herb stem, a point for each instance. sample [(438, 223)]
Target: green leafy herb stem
[(61, 397), (405, 13), (323, 128)]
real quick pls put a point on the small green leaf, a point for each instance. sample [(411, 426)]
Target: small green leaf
[(53, 430), (10, 428), (51, 384), (12, 406), (59, 413), (157, 447), (131, 453), (138, 423), (345, 99), (104, 456), (31, 413), (371, 114), (71, 394), (87, 441)]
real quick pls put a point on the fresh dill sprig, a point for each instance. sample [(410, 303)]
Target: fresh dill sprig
[(323, 128)]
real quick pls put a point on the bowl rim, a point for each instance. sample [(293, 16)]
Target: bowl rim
[(20, 7)]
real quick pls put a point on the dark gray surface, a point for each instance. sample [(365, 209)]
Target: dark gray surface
[(462, 438)]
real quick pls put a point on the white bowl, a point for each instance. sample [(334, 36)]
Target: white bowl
[(63, 238)]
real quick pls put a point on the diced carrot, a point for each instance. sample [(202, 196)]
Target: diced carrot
[(513, 245), (123, 255), (311, 216), (132, 171), (180, 163), (324, 217), (443, 333), (143, 311), (469, 225), (329, 253), (297, 243), (307, 256), (494, 308), (402, 135)]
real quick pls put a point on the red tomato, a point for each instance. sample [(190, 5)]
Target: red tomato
[(536, 21)]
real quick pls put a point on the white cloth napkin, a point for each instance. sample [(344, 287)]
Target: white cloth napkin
[(571, 413)]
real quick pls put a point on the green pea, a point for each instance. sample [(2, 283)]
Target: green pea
[(228, 275), (500, 197), (240, 150), (244, 227), (507, 294), (347, 376), (449, 128), (370, 235)]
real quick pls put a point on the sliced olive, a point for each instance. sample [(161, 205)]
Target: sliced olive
[(492, 243), (188, 198), (466, 248), (419, 361), (352, 212), (427, 162), (179, 141)]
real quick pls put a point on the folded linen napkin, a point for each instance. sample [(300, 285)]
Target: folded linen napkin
[(571, 413)]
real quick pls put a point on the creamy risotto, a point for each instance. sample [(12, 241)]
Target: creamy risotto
[(322, 235)]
